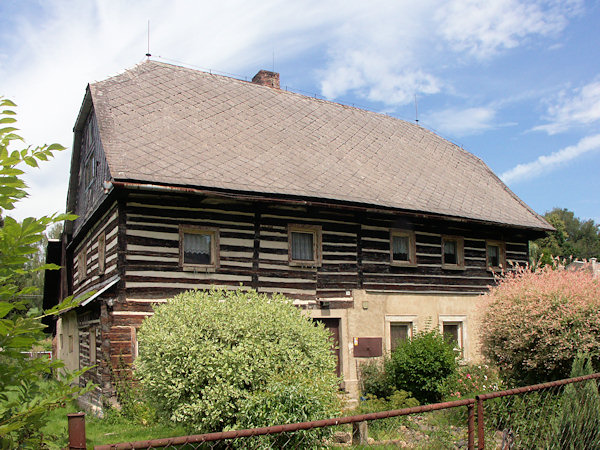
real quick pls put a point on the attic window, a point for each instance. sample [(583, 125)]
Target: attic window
[(198, 248), (453, 254), (495, 255), (402, 248), (89, 171), (304, 245)]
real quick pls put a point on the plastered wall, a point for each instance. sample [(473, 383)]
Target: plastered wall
[(373, 313)]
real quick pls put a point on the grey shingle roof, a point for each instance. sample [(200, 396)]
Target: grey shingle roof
[(161, 123)]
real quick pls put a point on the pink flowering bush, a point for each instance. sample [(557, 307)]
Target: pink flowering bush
[(476, 379), (535, 323)]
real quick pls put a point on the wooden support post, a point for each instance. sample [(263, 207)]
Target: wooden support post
[(471, 426), (76, 425), (480, 431), (360, 433)]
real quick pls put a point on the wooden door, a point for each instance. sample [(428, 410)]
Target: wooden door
[(333, 325)]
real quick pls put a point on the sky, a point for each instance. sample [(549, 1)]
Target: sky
[(517, 83)]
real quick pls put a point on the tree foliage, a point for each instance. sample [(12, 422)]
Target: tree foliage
[(535, 323), (24, 396), (232, 359), (576, 238)]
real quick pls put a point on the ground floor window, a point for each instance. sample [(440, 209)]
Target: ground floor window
[(453, 328), (398, 329)]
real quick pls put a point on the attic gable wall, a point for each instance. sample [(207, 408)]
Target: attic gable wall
[(93, 171)]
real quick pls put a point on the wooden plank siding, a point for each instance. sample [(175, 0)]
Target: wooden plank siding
[(90, 192), (92, 279), (253, 249)]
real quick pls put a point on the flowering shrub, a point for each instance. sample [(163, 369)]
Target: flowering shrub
[(535, 323), (475, 379), (232, 359)]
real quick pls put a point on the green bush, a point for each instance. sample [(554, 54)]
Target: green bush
[(425, 365), (577, 426), (374, 380), (229, 359)]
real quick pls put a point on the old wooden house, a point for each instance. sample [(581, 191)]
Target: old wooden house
[(185, 180)]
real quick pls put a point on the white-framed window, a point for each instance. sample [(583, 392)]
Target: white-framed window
[(198, 247), (453, 252), (304, 245), (398, 328), (495, 255), (101, 253), (403, 251), (454, 328)]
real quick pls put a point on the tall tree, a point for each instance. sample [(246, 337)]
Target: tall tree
[(24, 398), (573, 238)]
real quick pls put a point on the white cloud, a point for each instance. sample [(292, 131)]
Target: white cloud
[(546, 163), (482, 28), (579, 107), (390, 51), (463, 122)]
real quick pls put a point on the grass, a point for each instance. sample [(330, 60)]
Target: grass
[(110, 430)]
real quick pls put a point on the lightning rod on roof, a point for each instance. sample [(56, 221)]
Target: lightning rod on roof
[(148, 55), (416, 110)]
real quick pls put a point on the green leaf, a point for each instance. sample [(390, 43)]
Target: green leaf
[(7, 102), (5, 308), (6, 130), (8, 120), (56, 147), (30, 161)]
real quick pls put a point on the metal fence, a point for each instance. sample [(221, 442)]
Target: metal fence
[(556, 415)]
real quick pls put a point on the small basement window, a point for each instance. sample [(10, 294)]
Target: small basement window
[(198, 247), (304, 245), (495, 255), (402, 248), (453, 253)]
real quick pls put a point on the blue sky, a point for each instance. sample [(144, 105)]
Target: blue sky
[(517, 83)]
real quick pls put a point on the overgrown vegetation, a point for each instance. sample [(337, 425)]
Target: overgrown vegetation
[(25, 398), (535, 323), (232, 359), (577, 425)]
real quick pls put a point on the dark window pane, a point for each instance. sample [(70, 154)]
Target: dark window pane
[(400, 250), (451, 332), (398, 333), (493, 255), (302, 246), (197, 248), (450, 252)]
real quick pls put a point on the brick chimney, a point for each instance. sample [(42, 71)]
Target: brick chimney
[(266, 78)]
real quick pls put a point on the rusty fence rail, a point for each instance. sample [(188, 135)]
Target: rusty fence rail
[(538, 416)]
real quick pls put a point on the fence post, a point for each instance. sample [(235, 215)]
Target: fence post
[(471, 426), (480, 432), (360, 433), (76, 425)]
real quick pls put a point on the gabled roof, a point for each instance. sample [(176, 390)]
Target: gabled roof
[(164, 124)]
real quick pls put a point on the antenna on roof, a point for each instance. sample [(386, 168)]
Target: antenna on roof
[(148, 55), (416, 110)]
